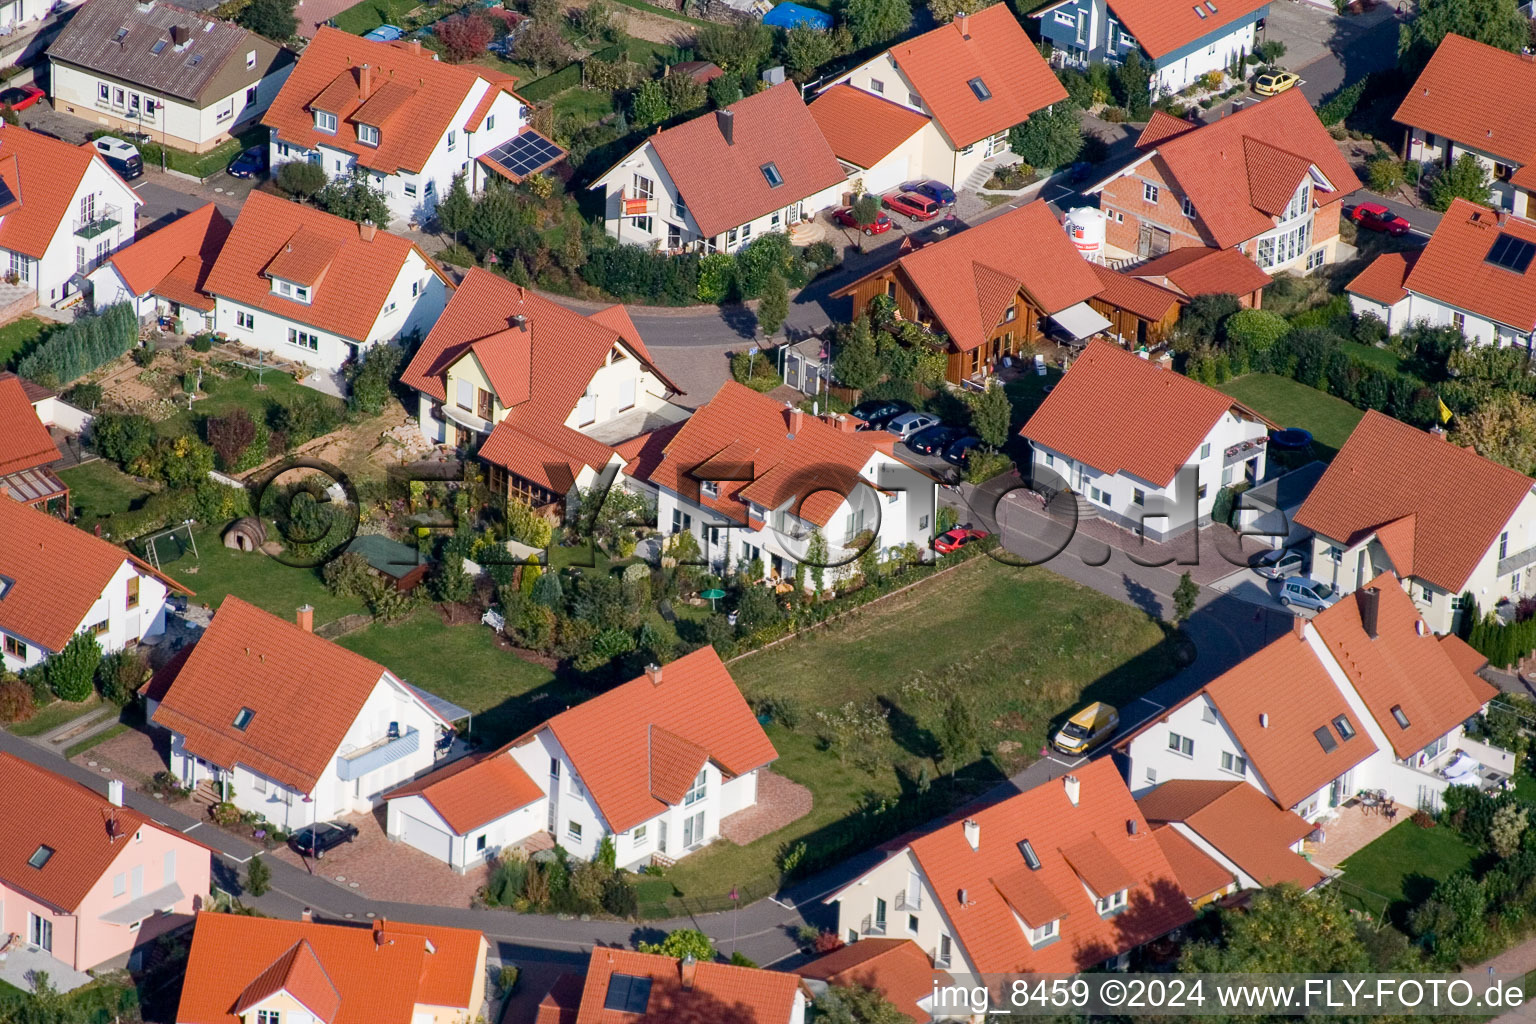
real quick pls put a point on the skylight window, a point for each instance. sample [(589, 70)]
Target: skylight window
[(159, 45), (1398, 716), (1200, 11), (1031, 858), (40, 856), (243, 718), (1325, 739), (197, 59), (1511, 253), (1210, 6), (771, 174), (1343, 728), (122, 34), (980, 89)]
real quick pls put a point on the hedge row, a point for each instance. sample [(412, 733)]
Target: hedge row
[(568, 77), (76, 350)]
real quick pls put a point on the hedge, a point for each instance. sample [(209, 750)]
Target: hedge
[(1342, 103), (568, 77), (76, 350)]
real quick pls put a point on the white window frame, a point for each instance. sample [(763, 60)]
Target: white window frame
[(1184, 746), (325, 121), (1150, 192)]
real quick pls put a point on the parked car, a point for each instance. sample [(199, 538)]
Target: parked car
[(959, 452), (913, 205), (935, 190), (1375, 217), (877, 412), (954, 540), (933, 440), (844, 216), (249, 164), (120, 156), (1299, 590), (385, 33), (1273, 83), (21, 97), (1280, 563), (909, 423), (314, 840), (1086, 729)]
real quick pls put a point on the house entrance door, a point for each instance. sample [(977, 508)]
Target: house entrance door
[(661, 835)]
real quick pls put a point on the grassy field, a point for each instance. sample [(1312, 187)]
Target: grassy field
[(99, 489), (263, 581), (239, 392), (1027, 392), (1022, 646), (370, 14), (18, 336), (1291, 404), (585, 104), (1381, 358), (53, 716), (1405, 863)]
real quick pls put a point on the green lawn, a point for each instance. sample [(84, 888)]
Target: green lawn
[(53, 716), (1024, 646), (1403, 865), (99, 489), (1292, 404), (585, 104), (1381, 358), (370, 14), (18, 336), (238, 392)]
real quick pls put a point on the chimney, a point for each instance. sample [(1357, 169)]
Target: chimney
[(653, 673), (366, 230), (1299, 627), (796, 419), (307, 916), (726, 119), (416, 47), (178, 35), (687, 968), (1263, 720), (972, 829), (1370, 605), (963, 22), (306, 618), (1072, 786), (379, 938), (365, 81), (115, 792), (1131, 828)]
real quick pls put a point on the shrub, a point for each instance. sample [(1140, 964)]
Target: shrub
[(717, 277), (506, 980), (370, 379), (681, 943), (230, 435), (71, 673), (464, 36), (258, 877), (123, 438), (119, 676), (347, 575), (450, 583), (16, 703), (755, 371), (75, 350), (300, 178), (202, 342), (85, 396), (1343, 101), (1384, 174), (1423, 819)]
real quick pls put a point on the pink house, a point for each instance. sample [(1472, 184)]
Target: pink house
[(84, 878)]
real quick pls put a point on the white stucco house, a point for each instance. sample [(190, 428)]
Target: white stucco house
[(407, 120), (654, 765), (1093, 436), (165, 273), (56, 581), (288, 725), (319, 289)]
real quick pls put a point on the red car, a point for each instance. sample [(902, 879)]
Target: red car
[(1376, 217), (845, 217), (954, 540), (20, 97), (913, 205)]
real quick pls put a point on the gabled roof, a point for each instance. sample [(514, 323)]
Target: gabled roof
[(1241, 171), (1387, 470), (991, 46), (41, 809), (24, 442), (723, 183), (1143, 298), (861, 127), (1161, 126), (967, 279), (474, 790), (1241, 823), (896, 968), (305, 691), (1404, 667), (51, 574), (717, 993), (1478, 95), (273, 234), (174, 262), (43, 175), (356, 974), (1098, 412), (410, 96), (1197, 872), (608, 738), (998, 884), (1385, 278), (745, 443), (1197, 270), (1456, 268), (1161, 28)]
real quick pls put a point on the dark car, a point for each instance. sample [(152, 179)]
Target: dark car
[(935, 190), (959, 452), (933, 440), (249, 164), (878, 411), (314, 840), (1375, 217), (913, 205)]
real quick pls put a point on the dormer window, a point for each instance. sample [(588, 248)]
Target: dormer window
[(289, 290), (709, 489), (368, 135), (1044, 934), (1111, 904), (325, 122)]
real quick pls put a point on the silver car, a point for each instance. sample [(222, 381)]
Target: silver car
[(1280, 564), (909, 423), (1305, 593)]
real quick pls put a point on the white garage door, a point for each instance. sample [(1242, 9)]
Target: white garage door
[(427, 838), (886, 175)]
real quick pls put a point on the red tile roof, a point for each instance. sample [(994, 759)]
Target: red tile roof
[(896, 968), (1384, 278), (412, 99), (35, 392), (174, 262), (305, 691), (718, 993), (1094, 414), (42, 174), (864, 128), (608, 738), (1402, 668), (1198, 874), (1387, 470), (1161, 28), (56, 573), (1240, 171), (24, 442), (563, 1001), (39, 809), (474, 790), (990, 45), (1197, 270), (1241, 824), (356, 974), (1162, 126), (1478, 95), (968, 279), (744, 442), (643, 454), (722, 182), (1454, 269), (998, 884), (1467, 659), (358, 274), (1143, 298)]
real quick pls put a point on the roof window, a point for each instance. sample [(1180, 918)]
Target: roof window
[(1210, 6), (1200, 11), (122, 34), (159, 45), (243, 718), (1031, 858), (40, 856), (980, 89), (1325, 739), (197, 59), (627, 993), (771, 173), (1398, 716), (1343, 728)]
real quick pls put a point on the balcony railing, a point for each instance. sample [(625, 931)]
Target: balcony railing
[(1244, 450), (940, 958), (909, 901), (376, 755), (103, 220), (1518, 560), (872, 926), (638, 206)]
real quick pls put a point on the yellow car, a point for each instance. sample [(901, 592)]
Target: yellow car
[(1087, 729), (1273, 83)]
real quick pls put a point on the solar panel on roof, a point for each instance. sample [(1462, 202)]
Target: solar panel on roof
[(1511, 253), (627, 993), (525, 154)]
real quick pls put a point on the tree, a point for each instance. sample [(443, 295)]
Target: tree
[(1184, 597), (450, 583), (1283, 930), (1202, 319), (258, 877), (1050, 138), (773, 307), (648, 105), (542, 45), (271, 18), (1132, 86), (300, 178), (866, 209), (356, 198), (738, 47), (681, 943), (856, 1004), (724, 90), (1466, 179), (857, 365), (230, 435), (71, 673), (958, 733), (806, 48), (464, 36), (684, 93), (990, 414), (1498, 23), (816, 560), (877, 21), (370, 377), (947, 10), (1508, 827), (596, 22), (1502, 428), (456, 208)]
